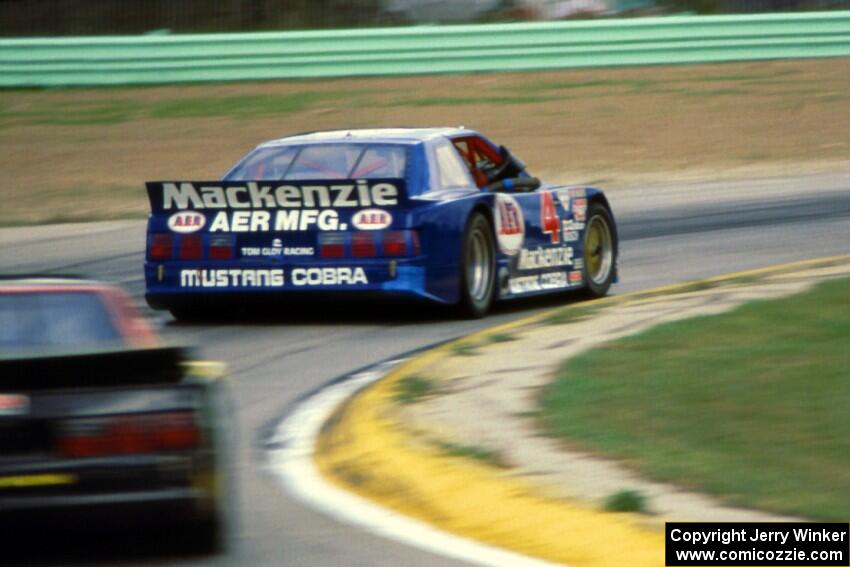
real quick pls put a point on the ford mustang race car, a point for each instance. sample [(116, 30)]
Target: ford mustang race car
[(99, 421), (441, 214)]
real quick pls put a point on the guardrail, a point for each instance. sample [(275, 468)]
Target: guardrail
[(419, 50)]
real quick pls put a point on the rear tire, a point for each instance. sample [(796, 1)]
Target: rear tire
[(184, 314), (207, 536), (600, 250), (478, 267), (188, 314)]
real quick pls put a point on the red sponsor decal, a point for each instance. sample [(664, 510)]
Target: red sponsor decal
[(510, 220), (549, 220), (510, 225)]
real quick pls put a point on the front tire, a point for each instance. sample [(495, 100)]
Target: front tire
[(600, 250), (478, 267)]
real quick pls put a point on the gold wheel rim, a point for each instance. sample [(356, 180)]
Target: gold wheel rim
[(598, 250)]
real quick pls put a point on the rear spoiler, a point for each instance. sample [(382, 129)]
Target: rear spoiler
[(115, 368), (351, 194)]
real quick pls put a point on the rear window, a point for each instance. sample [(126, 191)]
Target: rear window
[(322, 161), (55, 319)]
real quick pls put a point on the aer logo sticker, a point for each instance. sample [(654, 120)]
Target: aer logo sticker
[(186, 222), (371, 219), (510, 225)]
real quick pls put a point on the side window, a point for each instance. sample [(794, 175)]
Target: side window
[(463, 149), (484, 155), (478, 156), (453, 172)]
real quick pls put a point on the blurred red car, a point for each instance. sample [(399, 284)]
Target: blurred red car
[(40, 313), (98, 418)]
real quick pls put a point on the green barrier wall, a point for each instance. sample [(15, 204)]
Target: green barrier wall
[(414, 50)]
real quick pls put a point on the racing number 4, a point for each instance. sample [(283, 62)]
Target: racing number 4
[(549, 217)]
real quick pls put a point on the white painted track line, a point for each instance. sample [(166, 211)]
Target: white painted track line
[(291, 461)]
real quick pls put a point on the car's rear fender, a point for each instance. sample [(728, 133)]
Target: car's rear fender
[(441, 224)]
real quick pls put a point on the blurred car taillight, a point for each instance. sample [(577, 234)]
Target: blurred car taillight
[(221, 247), (191, 247), (161, 247), (331, 245), (127, 434)]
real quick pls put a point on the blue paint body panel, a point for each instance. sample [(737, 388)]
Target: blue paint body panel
[(286, 235)]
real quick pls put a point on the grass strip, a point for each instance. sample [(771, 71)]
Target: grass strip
[(414, 388), (751, 406)]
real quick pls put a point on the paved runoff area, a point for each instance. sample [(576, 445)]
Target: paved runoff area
[(450, 437)]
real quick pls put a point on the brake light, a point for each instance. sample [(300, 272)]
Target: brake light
[(221, 247), (363, 244), (400, 243), (395, 243), (370, 244), (331, 245), (161, 247), (128, 434), (191, 247)]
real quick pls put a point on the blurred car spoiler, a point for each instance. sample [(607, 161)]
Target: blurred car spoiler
[(124, 367)]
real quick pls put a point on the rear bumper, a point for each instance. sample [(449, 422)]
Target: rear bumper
[(170, 284), (128, 519), (104, 486), (184, 498), (273, 302)]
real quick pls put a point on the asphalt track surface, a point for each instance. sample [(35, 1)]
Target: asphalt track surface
[(668, 235)]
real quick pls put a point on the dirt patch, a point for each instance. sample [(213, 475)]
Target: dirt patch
[(86, 152)]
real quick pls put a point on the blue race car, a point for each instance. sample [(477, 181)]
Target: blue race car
[(441, 214)]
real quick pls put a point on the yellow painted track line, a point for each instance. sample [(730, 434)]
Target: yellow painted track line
[(365, 448)]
